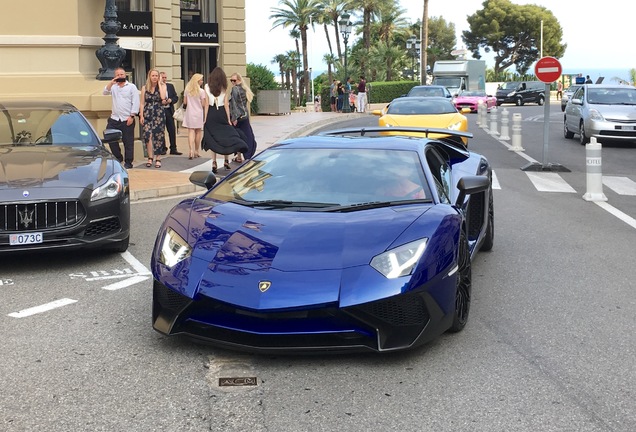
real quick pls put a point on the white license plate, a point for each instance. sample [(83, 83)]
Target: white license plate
[(24, 239)]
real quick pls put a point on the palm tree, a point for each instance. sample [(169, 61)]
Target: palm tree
[(298, 14), (280, 59), (330, 59), (292, 63), (369, 9), (330, 12), (423, 53)]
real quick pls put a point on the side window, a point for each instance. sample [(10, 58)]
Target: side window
[(579, 93), (442, 173)]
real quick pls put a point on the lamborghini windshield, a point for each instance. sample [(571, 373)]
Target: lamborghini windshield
[(327, 177), (45, 126)]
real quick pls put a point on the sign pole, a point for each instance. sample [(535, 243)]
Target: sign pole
[(547, 70)]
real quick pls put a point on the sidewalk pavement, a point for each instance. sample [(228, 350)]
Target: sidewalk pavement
[(173, 177)]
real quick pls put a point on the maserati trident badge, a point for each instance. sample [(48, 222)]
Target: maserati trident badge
[(26, 217), (264, 285)]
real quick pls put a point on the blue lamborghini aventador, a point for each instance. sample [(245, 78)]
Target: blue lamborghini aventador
[(341, 241)]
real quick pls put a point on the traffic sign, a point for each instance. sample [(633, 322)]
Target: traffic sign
[(548, 69)]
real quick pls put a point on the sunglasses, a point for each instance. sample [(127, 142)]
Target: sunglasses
[(232, 80)]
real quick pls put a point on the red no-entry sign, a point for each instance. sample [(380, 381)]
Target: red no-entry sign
[(548, 69)]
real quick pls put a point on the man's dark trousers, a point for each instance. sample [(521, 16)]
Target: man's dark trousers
[(172, 132), (128, 137)]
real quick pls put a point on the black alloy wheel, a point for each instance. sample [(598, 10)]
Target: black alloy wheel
[(566, 132), (463, 286), (583, 139), (541, 100), (518, 101), (489, 236)]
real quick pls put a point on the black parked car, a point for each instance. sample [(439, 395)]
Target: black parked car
[(521, 92), (59, 186)]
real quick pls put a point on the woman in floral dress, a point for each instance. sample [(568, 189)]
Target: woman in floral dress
[(152, 116)]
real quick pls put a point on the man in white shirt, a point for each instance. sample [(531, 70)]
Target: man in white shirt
[(125, 102)]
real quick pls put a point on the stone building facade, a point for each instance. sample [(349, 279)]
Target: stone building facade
[(48, 48)]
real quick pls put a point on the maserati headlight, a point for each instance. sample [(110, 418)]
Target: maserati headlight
[(113, 187), (174, 249), (399, 261)]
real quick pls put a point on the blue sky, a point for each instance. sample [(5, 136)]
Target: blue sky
[(592, 43)]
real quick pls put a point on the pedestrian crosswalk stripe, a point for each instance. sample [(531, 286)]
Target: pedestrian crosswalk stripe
[(495, 181), (620, 185), (549, 182)]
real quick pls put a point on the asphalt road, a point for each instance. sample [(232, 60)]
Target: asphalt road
[(549, 345)]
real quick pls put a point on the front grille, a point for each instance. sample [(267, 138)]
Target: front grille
[(103, 227), (40, 216), (399, 311)]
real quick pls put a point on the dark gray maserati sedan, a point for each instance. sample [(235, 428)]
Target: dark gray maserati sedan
[(59, 186)]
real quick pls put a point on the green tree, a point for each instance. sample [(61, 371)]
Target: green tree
[(513, 33), (441, 40), (298, 14), (280, 59), (261, 78), (330, 12)]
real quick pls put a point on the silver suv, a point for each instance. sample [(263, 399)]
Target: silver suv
[(606, 112)]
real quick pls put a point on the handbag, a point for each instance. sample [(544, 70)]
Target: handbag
[(179, 114)]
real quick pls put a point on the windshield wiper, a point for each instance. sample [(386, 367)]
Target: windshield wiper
[(376, 204), (276, 203)]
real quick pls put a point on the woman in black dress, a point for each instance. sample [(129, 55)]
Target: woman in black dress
[(152, 116), (241, 97), (219, 135)]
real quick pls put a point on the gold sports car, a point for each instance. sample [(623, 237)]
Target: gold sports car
[(432, 112)]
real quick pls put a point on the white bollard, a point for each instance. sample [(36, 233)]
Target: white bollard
[(480, 112), (493, 121), (483, 122), (594, 172), (516, 133), (505, 129)]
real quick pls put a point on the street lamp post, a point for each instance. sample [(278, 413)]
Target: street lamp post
[(110, 54), (413, 47), (346, 26)]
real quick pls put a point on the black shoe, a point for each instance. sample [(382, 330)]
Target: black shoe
[(174, 152), (128, 165), (163, 152)]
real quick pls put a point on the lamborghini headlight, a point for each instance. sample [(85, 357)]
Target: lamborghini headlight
[(113, 187), (174, 249), (399, 261), (455, 126)]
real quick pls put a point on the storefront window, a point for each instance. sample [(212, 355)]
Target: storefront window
[(198, 11), (132, 5)]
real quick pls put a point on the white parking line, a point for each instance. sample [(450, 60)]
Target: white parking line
[(43, 308), (134, 262), (495, 181), (125, 283), (616, 212)]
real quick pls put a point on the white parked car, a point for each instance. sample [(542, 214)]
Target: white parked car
[(606, 112)]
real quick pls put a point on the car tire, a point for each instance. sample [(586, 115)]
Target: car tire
[(562, 108), (463, 286), (541, 100), (121, 246), (566, 132), (489, 236), (519, 101), (583, 139)]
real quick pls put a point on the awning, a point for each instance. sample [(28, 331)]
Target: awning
[(136, 43)]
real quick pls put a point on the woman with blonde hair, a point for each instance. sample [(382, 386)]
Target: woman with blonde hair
[(219, 135), (196, 105), (152, 116), (240, 98)]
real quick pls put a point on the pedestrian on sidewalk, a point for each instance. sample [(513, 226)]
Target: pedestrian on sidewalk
[(240, 99), (196, 105), (362, 94), (125, 106), (219, 135), (340, 90), (168, 106), (333, 95), (152, 117)]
